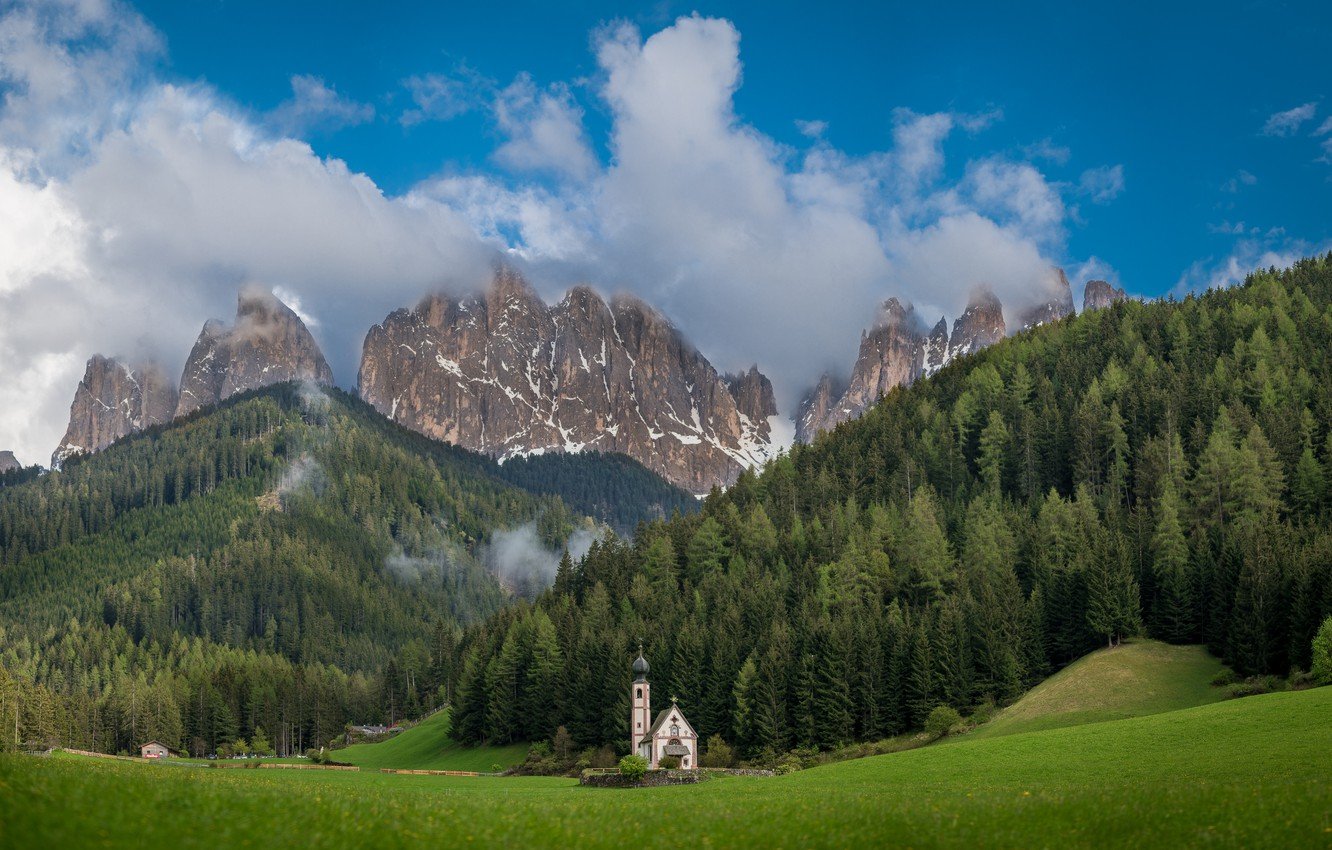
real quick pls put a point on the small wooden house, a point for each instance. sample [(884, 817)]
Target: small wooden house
[(156, 750)]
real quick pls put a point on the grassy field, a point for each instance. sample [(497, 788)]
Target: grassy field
[(427, 746), (1252, 773), (1132, 680)]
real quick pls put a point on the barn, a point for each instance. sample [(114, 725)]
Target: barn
[(156, 750)]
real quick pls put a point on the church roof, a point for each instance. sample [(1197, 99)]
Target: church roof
[(661, 720)]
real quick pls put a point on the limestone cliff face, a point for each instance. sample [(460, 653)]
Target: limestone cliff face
[(817, 408), (979, 326), (1099, 294), (8, 463), (753, 394), (267, 344), (505, 374), (114, 400), (898, 349), (1059, 305)]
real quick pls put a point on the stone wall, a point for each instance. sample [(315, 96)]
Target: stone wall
[(658, 778), (651, 779)]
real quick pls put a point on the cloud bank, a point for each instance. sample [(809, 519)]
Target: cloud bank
[(134, 206)]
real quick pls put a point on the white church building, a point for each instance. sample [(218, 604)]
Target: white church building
[(669, 734)]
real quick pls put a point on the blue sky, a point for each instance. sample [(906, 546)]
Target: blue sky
[(765, 174), (1178, 94)]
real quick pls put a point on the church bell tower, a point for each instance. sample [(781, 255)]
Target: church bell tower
[(640, 698)]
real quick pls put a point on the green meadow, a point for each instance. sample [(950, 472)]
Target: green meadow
[(1134, 679), (427, 746), (1255, 772)]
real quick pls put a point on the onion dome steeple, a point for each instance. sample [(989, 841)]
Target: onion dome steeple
[(641, 667)]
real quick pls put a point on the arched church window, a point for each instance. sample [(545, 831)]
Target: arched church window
[(675, 731), (638, 693)]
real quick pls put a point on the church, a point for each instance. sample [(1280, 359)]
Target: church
[(668, 735)]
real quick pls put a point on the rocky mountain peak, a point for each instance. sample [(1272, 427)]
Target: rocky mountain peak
[(753, 394), (8, 463), (506, 374), (816, 408), (980, 325), (1059, 305), (934, 350), (267, 344), (113, 400), (1099, 294)]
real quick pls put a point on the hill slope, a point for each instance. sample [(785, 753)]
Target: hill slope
[(1131, 680), (1243, 773), (427, 746), (287, 560)]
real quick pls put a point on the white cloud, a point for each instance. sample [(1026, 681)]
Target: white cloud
[(314, 105), (1241, 178), (812, 129), (125, 240), (1046, 149), (1017, 192), (1288, 123), (1272, 250), (1102, 184), (439, 97), (544, 129)]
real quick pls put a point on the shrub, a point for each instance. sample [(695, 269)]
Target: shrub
[(983, 713), (668, 762), (1320, 670), (789, 763), (718, 753), (562, 745), (633, 767), (1255, 685), (941, 720), (1225, 678)]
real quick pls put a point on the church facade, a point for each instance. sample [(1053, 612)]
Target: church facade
[(668, 734)]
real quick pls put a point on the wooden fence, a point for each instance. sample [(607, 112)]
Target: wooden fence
[(429, 772)]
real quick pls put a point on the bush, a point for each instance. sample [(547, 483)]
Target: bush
[(633, 767), (1225, 678), (983, 713), (1320, 670), (789, 763), (668, 762), (718, 753), (1255, 685), (941, 720)]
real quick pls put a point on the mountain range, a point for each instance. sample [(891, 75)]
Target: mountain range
[(504, 373)]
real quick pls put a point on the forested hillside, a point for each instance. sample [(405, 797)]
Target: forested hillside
[(289, 561), (611, 488), (1151, 467)]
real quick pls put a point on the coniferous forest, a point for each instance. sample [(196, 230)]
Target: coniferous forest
[(290, 561), (287, 562), (1152, 468)]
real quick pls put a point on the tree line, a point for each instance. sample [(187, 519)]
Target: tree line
[(1154, 468)]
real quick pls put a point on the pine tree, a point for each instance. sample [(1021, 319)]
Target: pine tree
[(1172, 613), (1112, 595)]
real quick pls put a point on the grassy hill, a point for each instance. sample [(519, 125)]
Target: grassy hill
[(427, 746), (1134, 679), (1249, 773)]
